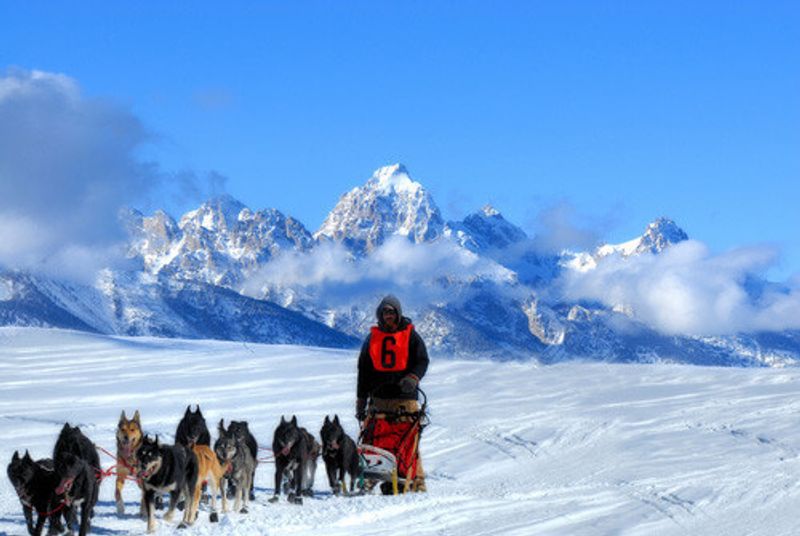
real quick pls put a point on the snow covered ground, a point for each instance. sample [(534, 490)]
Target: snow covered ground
[(513, 448)]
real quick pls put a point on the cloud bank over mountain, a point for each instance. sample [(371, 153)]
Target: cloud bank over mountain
[(686, 289), (67, 165), (333, 273)]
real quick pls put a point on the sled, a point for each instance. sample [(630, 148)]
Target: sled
[(389, 448)]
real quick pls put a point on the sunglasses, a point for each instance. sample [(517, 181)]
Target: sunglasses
[(388, 311)]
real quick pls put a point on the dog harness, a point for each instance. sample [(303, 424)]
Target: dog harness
[(389, 351)]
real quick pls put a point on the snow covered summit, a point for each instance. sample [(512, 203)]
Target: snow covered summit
[(390, 203), (484, 230), (218, 242), (658, 235)]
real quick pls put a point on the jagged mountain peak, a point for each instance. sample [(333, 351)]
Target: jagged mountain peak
[(390, 203), (219, 212), (662, 232), (658, 235), (489, 211), (484, 230), (394, 178)]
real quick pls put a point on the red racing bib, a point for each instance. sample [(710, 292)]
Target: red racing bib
[(389, 351)]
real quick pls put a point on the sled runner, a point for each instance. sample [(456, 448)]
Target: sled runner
[(389, 447)]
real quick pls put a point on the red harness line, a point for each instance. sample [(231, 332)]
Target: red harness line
[(57, 509), (100, 474)]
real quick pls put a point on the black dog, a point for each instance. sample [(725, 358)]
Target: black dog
[(192, 429), (35, 482), (78, 487), (232, 451), (340, 455), (296, 453), (241, 431), (167, 468), (76, 465)]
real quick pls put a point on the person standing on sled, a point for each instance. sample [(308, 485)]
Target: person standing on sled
[(392, 361)]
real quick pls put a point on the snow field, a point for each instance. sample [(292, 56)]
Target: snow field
[(512, 448)]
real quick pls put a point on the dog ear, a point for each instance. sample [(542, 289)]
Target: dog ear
[(158, 441), (136, 417), (336, 419), (294, 420), (188, 410), (221, 427), (283, 420), (15, 457), (327, 420), (123, 418), (27, 455), (198, 412)]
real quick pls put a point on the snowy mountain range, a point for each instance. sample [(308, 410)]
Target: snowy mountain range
[(477, 287)]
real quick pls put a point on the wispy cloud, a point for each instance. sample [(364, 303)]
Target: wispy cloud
[(689, 290), (68, 165), (421, 270), (560, 227)]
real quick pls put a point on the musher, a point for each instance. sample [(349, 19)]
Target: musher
[(393, 360)]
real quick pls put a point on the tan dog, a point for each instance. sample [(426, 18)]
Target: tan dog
[(209, 470), (129, 439)]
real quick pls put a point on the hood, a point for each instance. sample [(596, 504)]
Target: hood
[(392, 301)]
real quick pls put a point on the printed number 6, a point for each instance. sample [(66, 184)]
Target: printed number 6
[(388, 357)]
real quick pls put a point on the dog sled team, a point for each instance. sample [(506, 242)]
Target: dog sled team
[(391, 363)]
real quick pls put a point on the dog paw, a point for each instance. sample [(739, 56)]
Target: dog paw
[(213, 517), (273, 499), (182, 526), (243, 510)]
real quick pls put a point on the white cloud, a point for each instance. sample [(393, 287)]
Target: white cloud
[(397, 265), (67, 166), (688, 290)]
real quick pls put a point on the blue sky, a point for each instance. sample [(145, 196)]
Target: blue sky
[(620, 111)]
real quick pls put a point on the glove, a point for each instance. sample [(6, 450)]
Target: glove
[(361, 409), (409, 384)]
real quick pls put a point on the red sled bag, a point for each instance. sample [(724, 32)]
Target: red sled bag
[(399, 438), (389, 446)]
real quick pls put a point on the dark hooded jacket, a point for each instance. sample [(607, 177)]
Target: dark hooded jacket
[(381, 384)]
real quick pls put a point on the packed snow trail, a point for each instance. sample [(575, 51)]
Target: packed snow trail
[(512, 449)]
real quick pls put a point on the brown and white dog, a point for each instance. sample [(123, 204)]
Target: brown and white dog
[(129, 439), (211, 471)]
